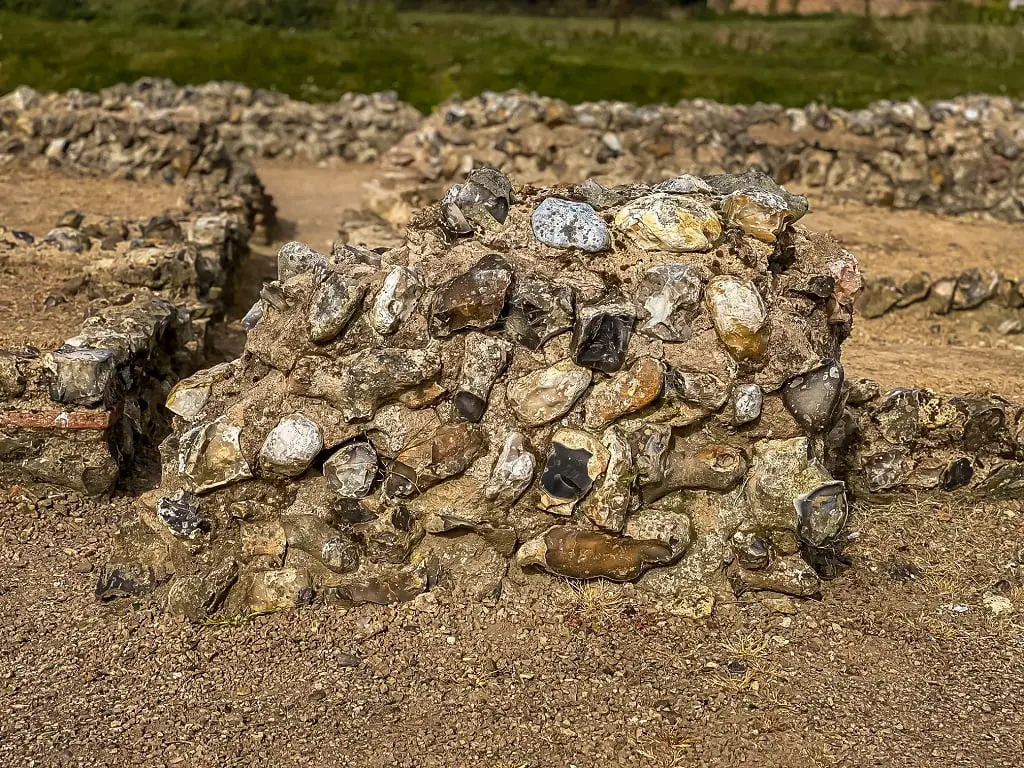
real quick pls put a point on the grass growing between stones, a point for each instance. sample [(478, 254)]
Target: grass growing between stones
[(429, 57), (596, 603)]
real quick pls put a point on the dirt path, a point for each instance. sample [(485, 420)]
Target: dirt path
[(901, 243), (950, 353), (953, 353), (310, 197)]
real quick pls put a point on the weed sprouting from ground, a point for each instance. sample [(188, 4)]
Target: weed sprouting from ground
[(596, 604), (748, 664)]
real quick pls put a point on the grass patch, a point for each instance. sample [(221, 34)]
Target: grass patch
[(427, 57)]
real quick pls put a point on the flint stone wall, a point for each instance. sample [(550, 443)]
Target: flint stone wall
[(71, 416), (630, 383), (991, 297), (75, 135), (254, 123), (957, 156), (917, 441)]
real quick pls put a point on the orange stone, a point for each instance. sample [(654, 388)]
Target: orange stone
[(625, 392)]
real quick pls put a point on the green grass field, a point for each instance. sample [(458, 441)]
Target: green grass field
[(428, 57)]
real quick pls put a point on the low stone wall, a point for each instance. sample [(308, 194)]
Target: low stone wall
[(860, 7), (256, 123), (993, 297), (957, 156), (72, 135), (71, 416), (187, 258)]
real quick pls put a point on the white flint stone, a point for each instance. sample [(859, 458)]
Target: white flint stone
[(564, 224), (291, 446), (513, 471), (351, 470), (397, 299)]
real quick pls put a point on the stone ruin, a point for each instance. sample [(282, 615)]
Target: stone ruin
[(916, 441), (72, 416), (75, 134), (253, 122), (957, 156), (634, 383)]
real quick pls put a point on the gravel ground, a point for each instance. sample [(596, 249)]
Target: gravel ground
[(899, 664)]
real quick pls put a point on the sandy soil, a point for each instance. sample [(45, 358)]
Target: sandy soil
[(32, 200), (951, 353), (898, 665), (311, 197), (901, 243), (40, 306)]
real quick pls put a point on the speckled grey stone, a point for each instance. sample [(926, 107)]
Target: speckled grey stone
[(563, 224)]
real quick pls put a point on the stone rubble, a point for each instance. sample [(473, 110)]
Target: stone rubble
[(638, 383), (918, 441), (499, 402)]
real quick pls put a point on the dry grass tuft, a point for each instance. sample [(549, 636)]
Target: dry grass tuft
[(748, 666), (596, 602)]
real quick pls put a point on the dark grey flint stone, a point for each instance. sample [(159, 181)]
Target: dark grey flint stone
[(752, 551), (567, 473), (602, 336), (119, 580), (351, 470), (822, 513), (668, 296), (81, 376), (332, 305), (538, 310), (181, 514), (564, 224), (813, 397), (474, 299), (486, 188)]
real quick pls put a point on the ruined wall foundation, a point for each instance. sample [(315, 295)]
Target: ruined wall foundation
[(629, 383)]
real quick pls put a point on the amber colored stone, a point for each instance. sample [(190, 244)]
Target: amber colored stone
[(625, 392)]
